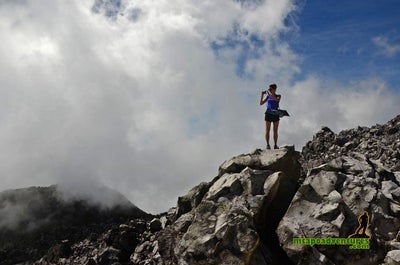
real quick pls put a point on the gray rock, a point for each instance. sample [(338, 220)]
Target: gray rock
[(230, 222), (392, 257), (226, 185), (192, 199), (328, 204), (379, 142), (283, 159), (183, 222)]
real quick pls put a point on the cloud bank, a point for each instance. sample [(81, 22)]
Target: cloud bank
[(149, 97)]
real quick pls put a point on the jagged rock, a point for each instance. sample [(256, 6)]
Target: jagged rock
[(381, 142), (183, 222), (328, 204), (229, 221), (392, 257), (283, 158), (192, 199)]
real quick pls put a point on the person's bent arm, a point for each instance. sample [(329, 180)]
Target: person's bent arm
[(262, 100)]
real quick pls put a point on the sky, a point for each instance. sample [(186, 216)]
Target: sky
[(150, 97)]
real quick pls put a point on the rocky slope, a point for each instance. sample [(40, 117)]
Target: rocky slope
[(251, 211), (329, 203), (34, 220), (351, 172), (380, 142)]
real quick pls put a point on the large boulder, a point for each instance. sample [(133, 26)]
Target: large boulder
[(231, 220)]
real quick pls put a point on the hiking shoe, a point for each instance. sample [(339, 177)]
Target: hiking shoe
[(276, 147), (268, 147)]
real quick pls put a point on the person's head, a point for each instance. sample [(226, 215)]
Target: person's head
[(272, 87)]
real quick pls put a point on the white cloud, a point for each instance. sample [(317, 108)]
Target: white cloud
[(386, 47), (145, 105), (314, 103)]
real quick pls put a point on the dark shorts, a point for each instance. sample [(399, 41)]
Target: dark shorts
[(271, 116)]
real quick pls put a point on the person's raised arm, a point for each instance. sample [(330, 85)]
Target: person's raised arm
[(262, 100)]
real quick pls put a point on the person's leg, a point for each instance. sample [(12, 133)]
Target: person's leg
[(364, 227), (267, 129), (276, 126)]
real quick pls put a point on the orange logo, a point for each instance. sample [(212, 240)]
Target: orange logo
[(363, 223)]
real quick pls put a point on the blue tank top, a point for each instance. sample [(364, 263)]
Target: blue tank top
[(272, 104)]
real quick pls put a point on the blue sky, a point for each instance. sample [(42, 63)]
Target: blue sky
[(150, 97), (338, 39)]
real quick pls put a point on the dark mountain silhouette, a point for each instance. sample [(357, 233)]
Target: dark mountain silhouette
[(32, 220)]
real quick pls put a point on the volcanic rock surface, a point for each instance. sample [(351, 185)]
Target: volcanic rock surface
[(348, 173), (232, 219)]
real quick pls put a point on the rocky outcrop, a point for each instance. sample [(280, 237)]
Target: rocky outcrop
[(354, 171), (232, 219), (329, 203), (380, 142)]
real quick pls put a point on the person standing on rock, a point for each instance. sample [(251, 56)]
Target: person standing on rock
[(271, 115)]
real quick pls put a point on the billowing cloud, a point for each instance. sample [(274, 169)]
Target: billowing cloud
[(315, 103), (149, 97)]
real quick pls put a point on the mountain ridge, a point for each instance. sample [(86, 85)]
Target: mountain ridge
[(36, 218), (259, 201)]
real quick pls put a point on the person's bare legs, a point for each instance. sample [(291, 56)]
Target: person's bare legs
[(276, 126), (267, 129)]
